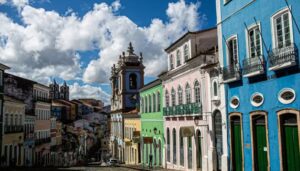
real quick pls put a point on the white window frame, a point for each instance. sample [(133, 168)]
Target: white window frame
[(237, 49), (178, 56), (252, 26), (180, 95), (273, 17), (186, 52)]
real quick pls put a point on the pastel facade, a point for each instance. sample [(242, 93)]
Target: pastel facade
[(13, 137), (132, 129), (258, 50), (190, 113), (42, 124), (151, 110), (127, 77)]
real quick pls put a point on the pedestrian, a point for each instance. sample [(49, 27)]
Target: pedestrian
[(150, 161)]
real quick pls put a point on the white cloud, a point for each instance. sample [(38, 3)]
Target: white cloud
[(82, 91), (46, 44), (2, 2)]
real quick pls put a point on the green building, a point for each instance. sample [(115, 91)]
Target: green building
[(152, 124)]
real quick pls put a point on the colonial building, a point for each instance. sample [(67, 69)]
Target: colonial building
[(259, 54), (42, 108), (132, 129), (2, 70), (127, 77), (13, 137), (151, 110), (188, 112)]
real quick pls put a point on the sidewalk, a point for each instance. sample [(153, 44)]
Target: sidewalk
[(145, 168)]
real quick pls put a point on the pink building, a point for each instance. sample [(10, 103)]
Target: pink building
[(191, 94)]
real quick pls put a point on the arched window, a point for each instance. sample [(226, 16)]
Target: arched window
[(186, 52), (171, 62), (174, 146), (173, 97), (178, 56), (132, 81), (158, 101), (215, 88), (146, 105), (197, 92), (168, 145), (150, 104), (188, 94), (154, 102), (179, 95), (167, 98)]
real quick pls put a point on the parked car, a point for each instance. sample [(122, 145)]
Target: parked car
[(113, 162)]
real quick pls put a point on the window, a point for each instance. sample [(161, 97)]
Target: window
[(181, 151), (186, 52), (168, 145), (173, 96), (154, 102), (286, 96), (167, 98), (178, 56), (254, 42), (6, 119), (171, 62), (257, 99), (16, 120), (197, 92), (187, 94), (158, 101), (179, 95), (232, 51), (234, 102), (215, 89), (142, 105), (282, 29), (132, 81), (174, 146)]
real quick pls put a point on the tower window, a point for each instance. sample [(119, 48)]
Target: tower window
[(132, 81)]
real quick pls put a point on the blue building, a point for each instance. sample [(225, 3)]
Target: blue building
[(258, 46)]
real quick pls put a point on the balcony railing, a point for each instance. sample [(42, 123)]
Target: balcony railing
[(42, 141), (231, 73), (41, 99), (13, 129), (253, 66), (184, 109), (280, 58)]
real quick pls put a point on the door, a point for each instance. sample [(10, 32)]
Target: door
[(199, 152), (290, 142), (260, 143), (236, 144), (218, 139)]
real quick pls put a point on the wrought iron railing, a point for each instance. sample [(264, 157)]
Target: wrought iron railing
[(251, 65), (42, 141), (280, 56), (13, 129), (184, 109), (231, 72), (41, 99)]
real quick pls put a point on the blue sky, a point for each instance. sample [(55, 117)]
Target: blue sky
[(36, 18)]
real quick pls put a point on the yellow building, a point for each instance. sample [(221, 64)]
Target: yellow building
[(13, 139), (132, 129)]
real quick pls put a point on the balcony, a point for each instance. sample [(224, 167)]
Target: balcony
[(8, 129), (41, 99), (42, 141), (253, 66), (231, 73), (280, 58), (184, 109)]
